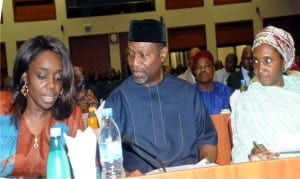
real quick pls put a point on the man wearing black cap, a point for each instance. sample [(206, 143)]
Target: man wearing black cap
[(158, 111)]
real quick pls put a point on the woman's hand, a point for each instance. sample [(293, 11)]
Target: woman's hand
[(260, 152)]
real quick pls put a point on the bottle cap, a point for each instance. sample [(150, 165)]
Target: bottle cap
[(106, 112), (55, 131), (91, 109)]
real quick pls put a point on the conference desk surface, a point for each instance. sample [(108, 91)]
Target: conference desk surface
[(280, 168)]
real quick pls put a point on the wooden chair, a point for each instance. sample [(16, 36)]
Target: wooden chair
[(221, 122)]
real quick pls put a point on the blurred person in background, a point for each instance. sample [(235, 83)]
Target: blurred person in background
[(218, 65), (168, 69), (84, 95), (188, 74), (230, 67), (245, 72), (108, 83), (6, 99)]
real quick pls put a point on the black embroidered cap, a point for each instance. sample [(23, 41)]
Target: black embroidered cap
[(148, 30)]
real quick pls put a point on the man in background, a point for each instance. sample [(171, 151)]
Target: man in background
[(246, 71), (230, 67), (188, 75)]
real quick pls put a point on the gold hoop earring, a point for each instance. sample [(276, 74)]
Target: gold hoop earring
[(283, 69), (24, 89)]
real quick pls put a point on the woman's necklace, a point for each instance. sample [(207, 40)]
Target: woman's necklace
[(36, 138), (36, 144), (35, 132)]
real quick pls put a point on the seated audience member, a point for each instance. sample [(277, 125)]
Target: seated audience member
[(101, 76), (168, 69), (180, 69), (43, 90), (6, 85), (108, 84), (245, 72), (188, 74), (157, 110), (90, 77), (6, 96), (218, 65), (215, 94), (125, 68), (268, 112), (111, 76), (230, 67), (84, 95)]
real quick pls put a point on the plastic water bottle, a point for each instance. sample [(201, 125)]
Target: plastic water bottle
[(58, 166), (110, 146)]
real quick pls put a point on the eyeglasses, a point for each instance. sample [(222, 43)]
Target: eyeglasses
[(267, 61)]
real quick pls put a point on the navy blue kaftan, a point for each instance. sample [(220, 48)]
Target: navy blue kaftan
[(168, 119)]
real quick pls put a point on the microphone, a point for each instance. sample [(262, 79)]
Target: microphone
[(128, 141)]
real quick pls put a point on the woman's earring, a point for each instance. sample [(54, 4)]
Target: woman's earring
[(24, 89), (283, 69)]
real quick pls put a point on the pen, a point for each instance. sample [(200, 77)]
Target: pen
[(257, 146), (284, 152)]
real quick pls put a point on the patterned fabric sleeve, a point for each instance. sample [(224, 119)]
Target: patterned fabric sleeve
[(8, 143)]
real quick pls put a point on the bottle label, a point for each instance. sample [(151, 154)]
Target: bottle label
[(110, 152)]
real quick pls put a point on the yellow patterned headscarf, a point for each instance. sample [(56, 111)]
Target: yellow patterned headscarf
[(281, 40)]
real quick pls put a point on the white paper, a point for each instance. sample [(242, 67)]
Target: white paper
[(286, 143), (82, 153), (201, 164)]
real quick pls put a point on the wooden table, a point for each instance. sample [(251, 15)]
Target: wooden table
[(280, 168)]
